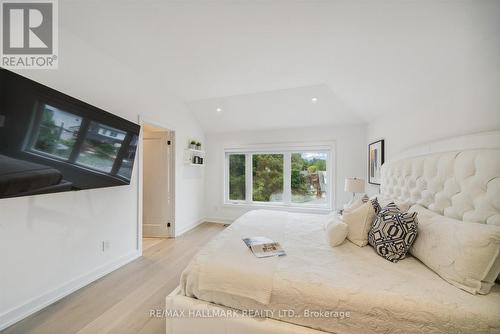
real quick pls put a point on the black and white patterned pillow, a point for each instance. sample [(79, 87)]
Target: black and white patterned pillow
[(389, 209), (392, 235)]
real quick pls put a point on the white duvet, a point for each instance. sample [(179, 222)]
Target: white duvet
[(380, 296)]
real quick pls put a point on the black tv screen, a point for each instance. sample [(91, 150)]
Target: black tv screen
[(51, 142)]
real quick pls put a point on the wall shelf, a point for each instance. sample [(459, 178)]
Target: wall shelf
[(200, 152), (190, 153)]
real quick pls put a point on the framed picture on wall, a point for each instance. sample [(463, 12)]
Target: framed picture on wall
[(375, 161)]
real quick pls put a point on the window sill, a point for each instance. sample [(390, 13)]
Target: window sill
[(281, 207)]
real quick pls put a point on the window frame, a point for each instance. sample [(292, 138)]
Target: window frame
[(286, 150)]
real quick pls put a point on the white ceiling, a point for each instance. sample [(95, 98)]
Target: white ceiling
[(270, 110), (262, 61)]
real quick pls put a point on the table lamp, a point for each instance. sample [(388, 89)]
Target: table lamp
[(354, 185)]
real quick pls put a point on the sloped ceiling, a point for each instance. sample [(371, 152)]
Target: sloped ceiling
[(270, 110), (261, 62)]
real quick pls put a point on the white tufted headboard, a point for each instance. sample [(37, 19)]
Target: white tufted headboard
[(462, 184)]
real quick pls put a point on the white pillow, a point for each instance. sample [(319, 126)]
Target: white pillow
[(336, 232), (465, 254), (356, 204), (359, 222)]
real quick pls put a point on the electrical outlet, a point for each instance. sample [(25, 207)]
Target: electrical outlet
[(106, 244)]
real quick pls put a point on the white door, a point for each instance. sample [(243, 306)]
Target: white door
[(156, 188)]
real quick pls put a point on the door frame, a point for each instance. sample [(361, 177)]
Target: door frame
[(142, 121)]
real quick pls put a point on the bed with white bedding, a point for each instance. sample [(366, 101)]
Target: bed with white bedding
[(378, 295), (357, 290)]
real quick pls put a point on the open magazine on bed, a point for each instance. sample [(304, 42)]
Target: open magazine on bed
[(264, 247)]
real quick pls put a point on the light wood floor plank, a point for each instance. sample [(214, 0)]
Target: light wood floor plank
[(120, 302)]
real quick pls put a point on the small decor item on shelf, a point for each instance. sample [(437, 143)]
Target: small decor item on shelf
[(192, 145), (197, 160), (198, 146)]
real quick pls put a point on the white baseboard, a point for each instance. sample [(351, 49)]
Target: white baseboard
[(188, 228), (20, 312), (218, 220), (201, 221)]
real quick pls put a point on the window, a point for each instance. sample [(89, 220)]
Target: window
[(237, 177), (309, 177), (291, 177), (267, 172)]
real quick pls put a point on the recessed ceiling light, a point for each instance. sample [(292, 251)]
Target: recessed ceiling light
[(314, 100), (218, 109)]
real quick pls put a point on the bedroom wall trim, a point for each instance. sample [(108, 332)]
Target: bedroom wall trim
[(22, 311), (179, 232), (218, 220)]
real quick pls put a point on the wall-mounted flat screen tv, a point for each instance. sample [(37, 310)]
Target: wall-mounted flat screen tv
[(51, 142)]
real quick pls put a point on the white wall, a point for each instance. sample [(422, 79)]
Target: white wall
[(402, 131), (452, 82), (350, 155), (51, 244)]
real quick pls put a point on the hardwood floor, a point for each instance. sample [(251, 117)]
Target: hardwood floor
[(120, 302)]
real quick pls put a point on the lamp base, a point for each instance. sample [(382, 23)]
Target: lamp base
[(351, 202)]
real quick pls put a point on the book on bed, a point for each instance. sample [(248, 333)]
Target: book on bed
[(264, 247)]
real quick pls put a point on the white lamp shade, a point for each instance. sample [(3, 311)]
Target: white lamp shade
[(354, 185)]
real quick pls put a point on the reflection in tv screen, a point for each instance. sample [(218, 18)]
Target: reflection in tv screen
[(50, 142)]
